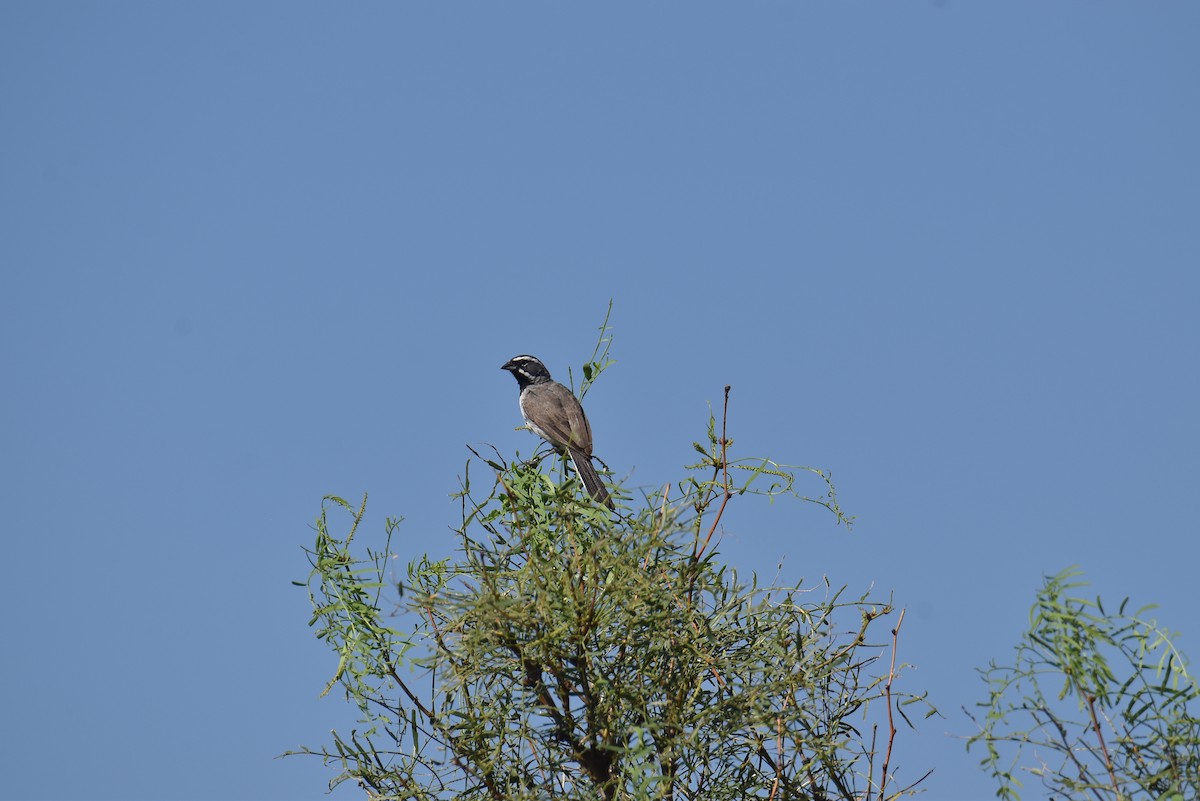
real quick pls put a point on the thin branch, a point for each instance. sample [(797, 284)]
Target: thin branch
[(727, 494), (1112, 777), (779, 755), (887, 690)]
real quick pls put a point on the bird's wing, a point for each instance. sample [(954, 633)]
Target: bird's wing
[(554, 410)]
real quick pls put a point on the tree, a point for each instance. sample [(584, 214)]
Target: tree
[(1119, 727), (570, 652)]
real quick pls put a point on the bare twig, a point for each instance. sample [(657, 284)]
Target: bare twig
[(1108, 765), (887, 690), (724, 466)]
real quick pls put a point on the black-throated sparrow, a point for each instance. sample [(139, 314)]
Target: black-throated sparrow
[(555, 415)]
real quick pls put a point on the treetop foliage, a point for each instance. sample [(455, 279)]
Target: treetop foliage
[(564, 651)]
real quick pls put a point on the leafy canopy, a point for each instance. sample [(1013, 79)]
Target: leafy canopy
[(564, 651)]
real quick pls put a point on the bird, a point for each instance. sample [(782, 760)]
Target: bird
[(554, 413)]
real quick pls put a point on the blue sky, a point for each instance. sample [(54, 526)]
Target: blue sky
[(254, 253)]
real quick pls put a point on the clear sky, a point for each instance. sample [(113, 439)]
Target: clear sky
[(254, 253)]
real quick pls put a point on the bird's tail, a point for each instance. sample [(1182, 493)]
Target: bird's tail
[(589, 477)]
